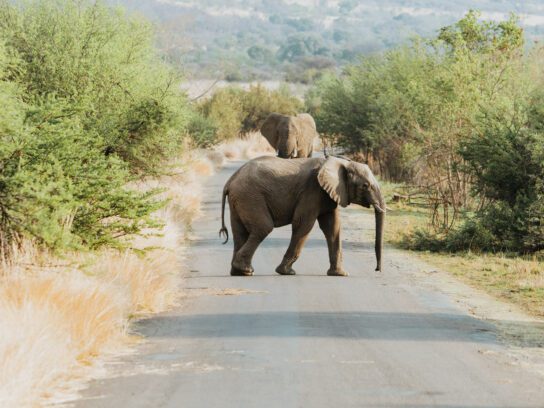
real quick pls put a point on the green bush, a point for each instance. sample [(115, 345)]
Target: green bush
[(423, 240), (203, 131), (456, 114), (87, 105), (224, 109), (470, 236), (103, 63), (506, 163)]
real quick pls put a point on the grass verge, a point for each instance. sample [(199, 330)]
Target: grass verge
[(519, 280)]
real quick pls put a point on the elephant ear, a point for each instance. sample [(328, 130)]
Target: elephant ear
[(308, 119), (332, 177), (269, 129)]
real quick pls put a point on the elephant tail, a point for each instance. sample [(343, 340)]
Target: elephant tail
[(224, 231)]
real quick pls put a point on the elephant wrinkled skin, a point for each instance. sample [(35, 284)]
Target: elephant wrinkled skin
[(290, 136), (270, 192)]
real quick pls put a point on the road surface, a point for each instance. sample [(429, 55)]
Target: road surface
[(389, 339)]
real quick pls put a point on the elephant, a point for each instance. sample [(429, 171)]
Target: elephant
[(270, 192), (290, 136)]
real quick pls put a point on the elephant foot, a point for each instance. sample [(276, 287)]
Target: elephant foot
[(337, 272), (241, 272), (283, 270)]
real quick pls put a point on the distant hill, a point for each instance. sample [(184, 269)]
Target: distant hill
[(296, 39)]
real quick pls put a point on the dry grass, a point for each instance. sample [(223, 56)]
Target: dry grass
[(58, 320), (182, 187), (151, 281), (254, 145), (216, 158), (59, 316), (54, 325), (515, 279)]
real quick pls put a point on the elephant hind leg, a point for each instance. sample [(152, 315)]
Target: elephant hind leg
[(242, 259), (258, 223), (240, 236)]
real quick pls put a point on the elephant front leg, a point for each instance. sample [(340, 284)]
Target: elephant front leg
[(330, 225), (298, 238)]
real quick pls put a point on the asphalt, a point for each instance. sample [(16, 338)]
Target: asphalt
[(373, 339)]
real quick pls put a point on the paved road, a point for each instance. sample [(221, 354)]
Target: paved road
[(370, 340)]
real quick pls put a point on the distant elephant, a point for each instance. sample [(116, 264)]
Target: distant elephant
[(270, 192), (290, 136)]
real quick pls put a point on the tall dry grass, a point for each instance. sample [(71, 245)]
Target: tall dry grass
[(253, 145), (59, 316)]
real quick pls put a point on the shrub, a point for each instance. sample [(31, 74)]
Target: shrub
[(101, 62), (203, 131), (470, 236), (60, 188), (422, 240), (506, 164), (224, 109), (87, 104)]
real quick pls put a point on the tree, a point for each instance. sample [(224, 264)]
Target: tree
[(299, 45), (87, 106), (483, 36), (455, 115), (260, 54)]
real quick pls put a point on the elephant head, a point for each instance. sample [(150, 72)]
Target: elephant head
[(290, 136), (269, 129), (349, 182)]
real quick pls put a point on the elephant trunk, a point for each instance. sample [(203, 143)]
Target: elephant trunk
[(379, 212), (287, 146), (287, 149)]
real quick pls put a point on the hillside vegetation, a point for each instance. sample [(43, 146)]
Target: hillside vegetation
[(296, 40)]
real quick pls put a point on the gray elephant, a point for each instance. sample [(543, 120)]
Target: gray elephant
[(291, 136), (270, 192)]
